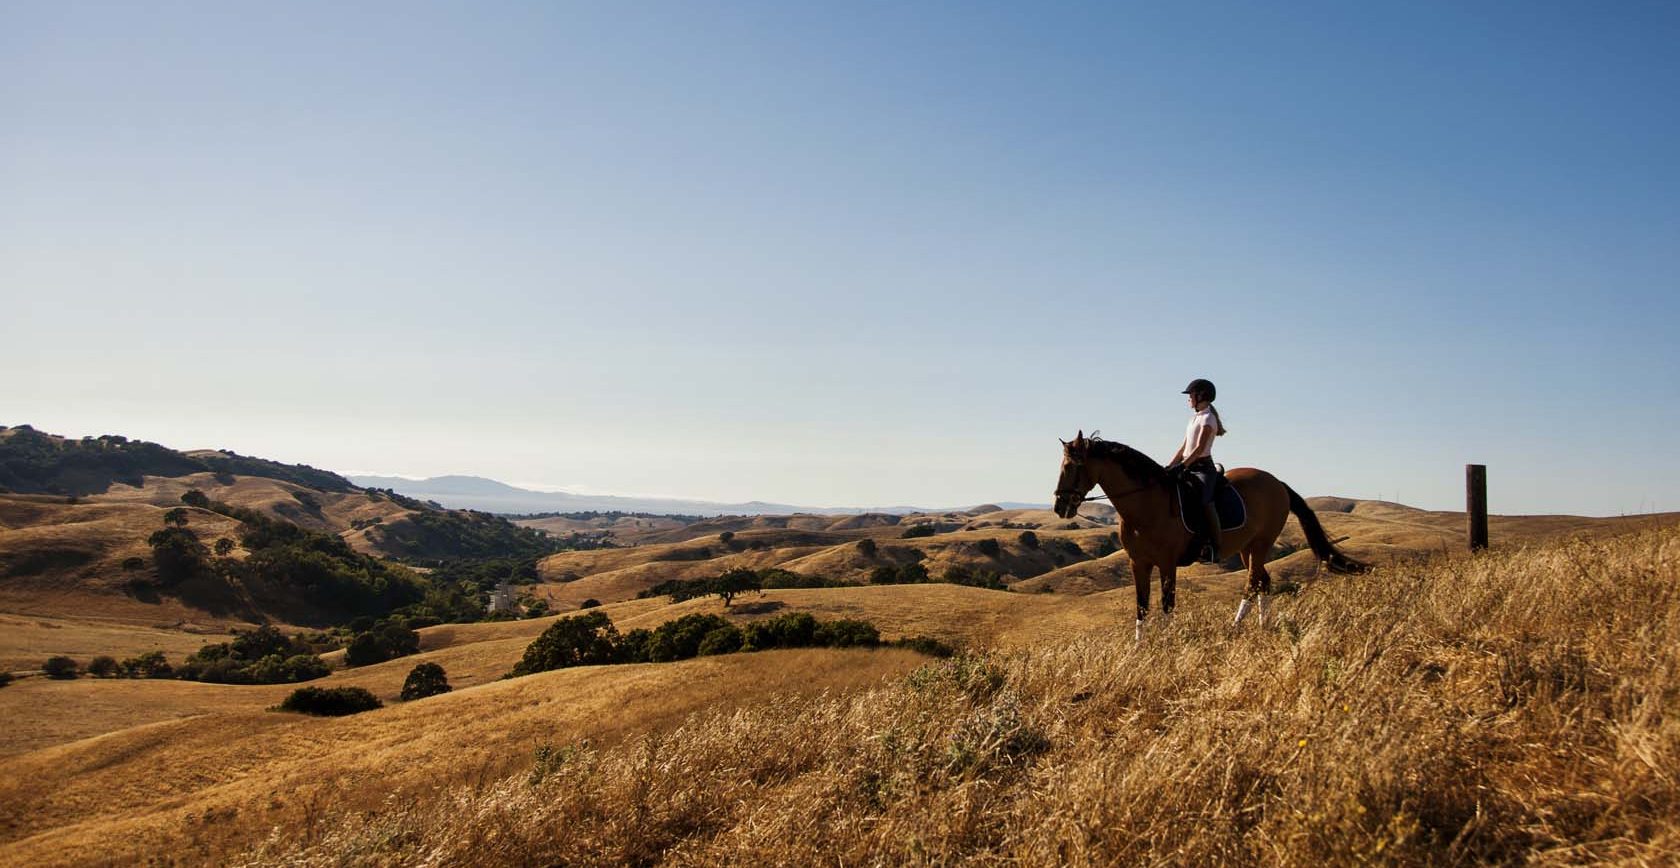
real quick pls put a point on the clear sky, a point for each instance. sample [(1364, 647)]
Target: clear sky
[(854, 253)]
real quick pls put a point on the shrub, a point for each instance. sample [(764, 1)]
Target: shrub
[(867, 548), (918, 530), (846, 633), (5, 678), (989, 547), (589, 603), (134, 563), (176, 517), (1028, 539), (793, 630), (197, 498), (151, 664), (330, 701), (926, 645), (536, 608), (723, 640), (103, 666), (224, 546), (60, 668), (680, 639), (426, 679)]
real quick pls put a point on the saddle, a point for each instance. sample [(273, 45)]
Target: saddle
[(1227, 501)]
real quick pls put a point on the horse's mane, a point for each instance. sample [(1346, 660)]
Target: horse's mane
[(1135, 463)]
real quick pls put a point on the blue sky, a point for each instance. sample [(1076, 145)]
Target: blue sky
[(854, 254)]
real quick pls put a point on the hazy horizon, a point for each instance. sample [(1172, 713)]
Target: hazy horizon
[(858, 255)]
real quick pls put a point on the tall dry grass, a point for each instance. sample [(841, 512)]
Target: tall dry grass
[(1512, 707)]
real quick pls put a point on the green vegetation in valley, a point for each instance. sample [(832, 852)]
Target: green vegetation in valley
[(260, 656)]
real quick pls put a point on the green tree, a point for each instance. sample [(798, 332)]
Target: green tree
[(1028, 539), (426, 679), (737, 581), (224, 546), (581, 640), (103, 666), (176, 517), (197, 498), (867, 548)]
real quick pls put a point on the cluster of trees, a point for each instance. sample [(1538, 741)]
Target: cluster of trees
[(592, 640), (431, 533), (735, 582), (32, 462), (148, 665), (916, 574), (317, 573), (260, 656)]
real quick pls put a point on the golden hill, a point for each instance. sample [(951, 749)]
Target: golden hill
[(1068, 557), (1516, 706)]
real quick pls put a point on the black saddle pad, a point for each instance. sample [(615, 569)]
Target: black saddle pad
[(1233, 513)]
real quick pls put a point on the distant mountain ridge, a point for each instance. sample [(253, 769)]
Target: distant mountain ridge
[(489, 495)]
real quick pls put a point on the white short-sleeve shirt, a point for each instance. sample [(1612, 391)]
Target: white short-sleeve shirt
[(1202, 419)]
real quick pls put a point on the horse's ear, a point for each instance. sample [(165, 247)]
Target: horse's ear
[(1080, 436)]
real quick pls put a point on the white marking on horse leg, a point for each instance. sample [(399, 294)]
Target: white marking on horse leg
[(1242, 610), (1265, 609), (1139, 636)]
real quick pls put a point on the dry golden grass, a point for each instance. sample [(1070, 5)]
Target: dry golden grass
[(1518, 706), (26, 641), (191, 790)]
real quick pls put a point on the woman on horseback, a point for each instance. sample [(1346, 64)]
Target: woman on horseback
[(1195, 454)]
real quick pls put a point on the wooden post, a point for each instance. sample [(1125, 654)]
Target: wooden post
[(1475, 503)]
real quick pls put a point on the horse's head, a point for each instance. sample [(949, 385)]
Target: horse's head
[(1076, 480)]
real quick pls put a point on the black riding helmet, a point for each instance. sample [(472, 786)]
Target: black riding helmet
[(1199, 386)]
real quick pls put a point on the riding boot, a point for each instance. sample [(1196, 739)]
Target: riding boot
[(1211, 515)]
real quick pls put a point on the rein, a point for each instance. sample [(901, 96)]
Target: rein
[(1113, 499)]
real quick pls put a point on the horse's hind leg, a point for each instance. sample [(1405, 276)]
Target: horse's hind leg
[(1259, 584), (1169, 591)]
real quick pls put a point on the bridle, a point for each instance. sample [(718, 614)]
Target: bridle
[(1081, 497)]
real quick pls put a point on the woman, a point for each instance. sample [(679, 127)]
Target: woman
[(1195, 454)]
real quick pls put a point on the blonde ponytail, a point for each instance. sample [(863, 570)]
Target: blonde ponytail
[(1219, 424)]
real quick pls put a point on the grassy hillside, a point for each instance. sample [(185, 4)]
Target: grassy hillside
[(1511, 707)]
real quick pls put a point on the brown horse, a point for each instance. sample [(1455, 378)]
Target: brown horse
[(1153, 534)]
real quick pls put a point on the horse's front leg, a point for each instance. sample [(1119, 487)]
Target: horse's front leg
[(1140, 580)]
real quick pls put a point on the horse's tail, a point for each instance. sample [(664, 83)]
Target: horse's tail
[(1319, 540)]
